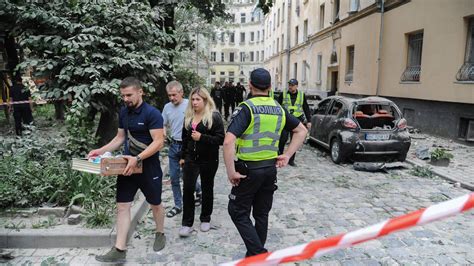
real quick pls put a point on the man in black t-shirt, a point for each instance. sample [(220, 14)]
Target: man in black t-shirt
[(21, 112), (217, 95)]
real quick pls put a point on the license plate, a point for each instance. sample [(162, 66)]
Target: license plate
[(369, 136)]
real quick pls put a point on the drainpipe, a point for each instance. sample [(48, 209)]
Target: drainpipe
[(288, 45), (379, 59)]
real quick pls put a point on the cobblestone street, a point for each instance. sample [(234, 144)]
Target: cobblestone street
[(317, 199)]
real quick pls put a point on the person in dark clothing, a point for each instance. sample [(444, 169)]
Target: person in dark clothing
[(295, 102), (203, 133), (22, 113), (217, 95), (239, 93), (229, 102), (252, 138)]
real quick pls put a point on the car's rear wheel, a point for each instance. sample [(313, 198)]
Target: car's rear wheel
[(336, 151)]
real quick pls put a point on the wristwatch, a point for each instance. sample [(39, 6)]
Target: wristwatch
[(139, 160)]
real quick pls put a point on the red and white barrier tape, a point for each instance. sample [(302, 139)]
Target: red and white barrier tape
[(321, 247), (28, 101)]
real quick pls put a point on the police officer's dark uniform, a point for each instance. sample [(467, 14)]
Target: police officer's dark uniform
[(257, 123), (297, 105)]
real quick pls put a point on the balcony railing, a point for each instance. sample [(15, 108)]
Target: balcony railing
[(466, 73), (412, 73)]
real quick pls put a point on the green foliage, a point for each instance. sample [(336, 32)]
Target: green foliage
[(265, 5), (35, 170), (440, 153), (189, 79), (422, 171)]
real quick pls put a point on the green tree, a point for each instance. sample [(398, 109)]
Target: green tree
[(86, 49)]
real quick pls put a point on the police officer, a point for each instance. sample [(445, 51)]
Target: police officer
[(252, 137), (295, 102)]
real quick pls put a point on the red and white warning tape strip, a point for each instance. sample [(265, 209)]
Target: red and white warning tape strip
[(37, 102), (321, 247)]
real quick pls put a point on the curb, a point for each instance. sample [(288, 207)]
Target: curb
[(442, 175), (74, 237)]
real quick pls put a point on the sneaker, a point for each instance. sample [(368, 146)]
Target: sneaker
[(185, 231), (205, 227), (198, 200), (114, 255), (173, 212), (160, 241)]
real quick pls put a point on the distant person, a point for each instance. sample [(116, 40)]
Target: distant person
[(203, 133), (22, 113), (228, 100), (295, 102), (239, 93), (217, 95)]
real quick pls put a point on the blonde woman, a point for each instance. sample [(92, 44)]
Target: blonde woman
[(203, 133)]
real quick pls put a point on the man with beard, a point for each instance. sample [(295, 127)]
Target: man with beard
[(141, 130)]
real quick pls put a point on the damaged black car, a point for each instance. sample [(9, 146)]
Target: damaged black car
[(368, 129)]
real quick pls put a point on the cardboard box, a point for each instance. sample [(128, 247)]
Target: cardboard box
[(106, 167)]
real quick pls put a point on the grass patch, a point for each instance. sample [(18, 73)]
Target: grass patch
[(422, 171)]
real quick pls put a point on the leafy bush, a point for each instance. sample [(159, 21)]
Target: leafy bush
[(440, 153), (36, 170)]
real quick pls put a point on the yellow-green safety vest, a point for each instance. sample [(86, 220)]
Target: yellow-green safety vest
[(260, 140), (295, 109), (271, 94)]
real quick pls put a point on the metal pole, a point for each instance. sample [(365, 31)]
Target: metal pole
[(288, 45), (379, 59)]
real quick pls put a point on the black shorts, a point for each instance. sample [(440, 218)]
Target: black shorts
[(149, 182)]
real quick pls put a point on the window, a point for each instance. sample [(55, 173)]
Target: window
[(252, 36), (222, 73), (353, 6), (213, 80), (305, 30), (258, 36), (278, 18), (336, 108), (466, 73), (231, 73), (278, 45), (252, 56), (303, 74), (322, 106), (231, 57), (242, 56), (320, 64), (257, 56), (350, 64), (415, 45), (282, 41), (222, 57), (213, 56), (263, 33), (274, 19), (321, 17), (214, 37), (213, 72), (335, 14), (222, 37), (242, 37), (283, 13), (262, 55), (295, 70), (242, 18), (232, 37), (296, 35)]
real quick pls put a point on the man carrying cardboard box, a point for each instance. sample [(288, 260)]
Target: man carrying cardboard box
[(141, 130)]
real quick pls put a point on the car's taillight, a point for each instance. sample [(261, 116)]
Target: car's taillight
[(402, 124), (349, 123)]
